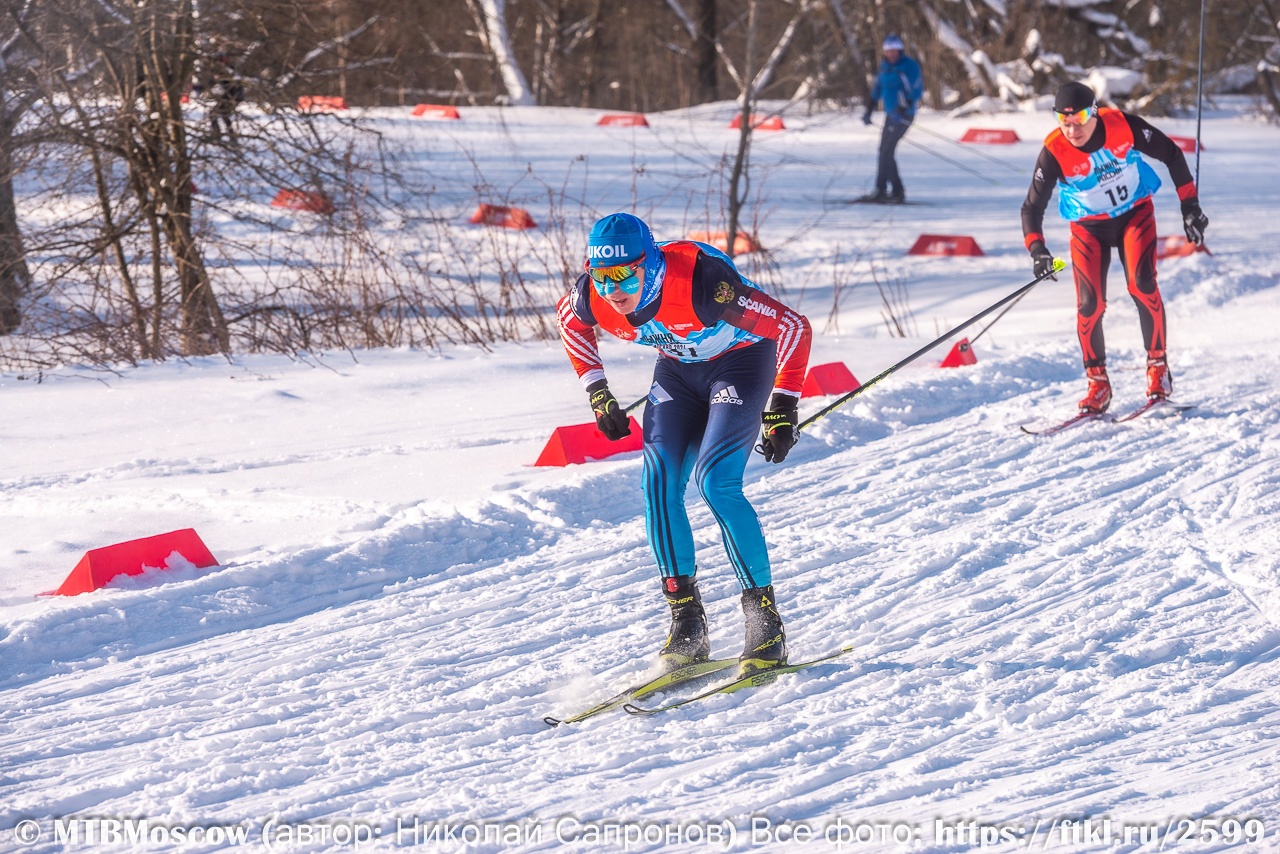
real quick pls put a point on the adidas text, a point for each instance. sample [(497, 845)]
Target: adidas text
[(726, 395)]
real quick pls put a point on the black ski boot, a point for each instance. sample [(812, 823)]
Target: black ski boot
[(687, 641), (766, 645)]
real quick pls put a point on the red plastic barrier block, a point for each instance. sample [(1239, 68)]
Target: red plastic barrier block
[(742, 243), (1186, 143), (321, 103), (579, 443), (436, 111), (624, 120), (760, 122), (99, 566), (945, 244), (990, 136), (1178, 247), (503, 216), (961, 354), (303, 200), (831, 378)]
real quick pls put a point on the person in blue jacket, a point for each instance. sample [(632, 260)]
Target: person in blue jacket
[(898, 88)]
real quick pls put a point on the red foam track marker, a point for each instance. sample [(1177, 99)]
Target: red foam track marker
[(580, 443), (99, 566)]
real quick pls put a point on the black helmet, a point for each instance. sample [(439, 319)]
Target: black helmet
[(1074, 97)]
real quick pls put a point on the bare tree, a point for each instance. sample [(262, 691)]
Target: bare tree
[(16, 98)]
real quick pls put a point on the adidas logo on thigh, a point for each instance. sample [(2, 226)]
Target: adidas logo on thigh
[(728, 394)]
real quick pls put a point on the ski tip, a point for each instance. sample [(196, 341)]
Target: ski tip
[(549, 721), (636, 710)]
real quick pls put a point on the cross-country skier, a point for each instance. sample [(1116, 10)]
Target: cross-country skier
[(899, 88), (1094, 157), (731, 358)]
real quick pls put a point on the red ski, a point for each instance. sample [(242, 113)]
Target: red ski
[(1159, 404), (1082, 418)]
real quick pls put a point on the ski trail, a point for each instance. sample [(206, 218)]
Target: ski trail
[(1017, 607)]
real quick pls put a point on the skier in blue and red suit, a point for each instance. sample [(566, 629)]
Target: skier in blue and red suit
[(1094, 157), (731, 360)]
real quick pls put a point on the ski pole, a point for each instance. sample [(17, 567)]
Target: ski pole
[(973, 151), (633, 407), (994, 321), (1199, 92), (1058, 265), (943, 157)]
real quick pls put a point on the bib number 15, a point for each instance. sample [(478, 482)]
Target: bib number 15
[(1118, 195)]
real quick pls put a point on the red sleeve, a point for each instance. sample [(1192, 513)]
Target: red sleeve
[(579, 339), (756, 312), (790, 330)]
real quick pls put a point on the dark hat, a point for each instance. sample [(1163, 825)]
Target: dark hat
[(1074, 97)]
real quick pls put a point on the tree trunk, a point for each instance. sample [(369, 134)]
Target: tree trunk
[(705, 59), (494, 25), (164, 170), (14, 275), (739, 179), (15, 278)]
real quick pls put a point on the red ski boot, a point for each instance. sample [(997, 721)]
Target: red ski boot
[(1159, 380), (1098, 397)]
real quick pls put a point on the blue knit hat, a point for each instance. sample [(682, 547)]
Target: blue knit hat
[(622, 238), (893, 42), (619, 238)]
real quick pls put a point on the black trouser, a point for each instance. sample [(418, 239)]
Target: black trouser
[(887, 178)]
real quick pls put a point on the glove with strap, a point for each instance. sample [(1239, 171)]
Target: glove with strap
[(610, 419), (1042, 260), (780, 421), (1194, 222)]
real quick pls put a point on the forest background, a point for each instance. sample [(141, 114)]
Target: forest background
[(137, 137)]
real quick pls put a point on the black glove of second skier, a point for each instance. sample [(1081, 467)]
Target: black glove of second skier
[(1042, 260), (610, 418), (1194, 222), (780, 421)]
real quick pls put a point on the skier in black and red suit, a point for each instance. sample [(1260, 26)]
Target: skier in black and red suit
[(1094, 157)]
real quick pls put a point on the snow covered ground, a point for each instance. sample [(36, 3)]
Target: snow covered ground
[(1047, 630)]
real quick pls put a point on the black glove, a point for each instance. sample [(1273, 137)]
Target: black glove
[(610, 418), (1194, 222), (866, 117), (780, 421), (1042, 260)]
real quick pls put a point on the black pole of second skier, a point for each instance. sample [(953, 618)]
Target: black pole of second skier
[(1199, 91), (1058, 266)]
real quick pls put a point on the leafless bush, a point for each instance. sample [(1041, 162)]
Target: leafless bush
[(895, 303)]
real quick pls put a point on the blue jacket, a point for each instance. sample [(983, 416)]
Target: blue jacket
[(899, 87)]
